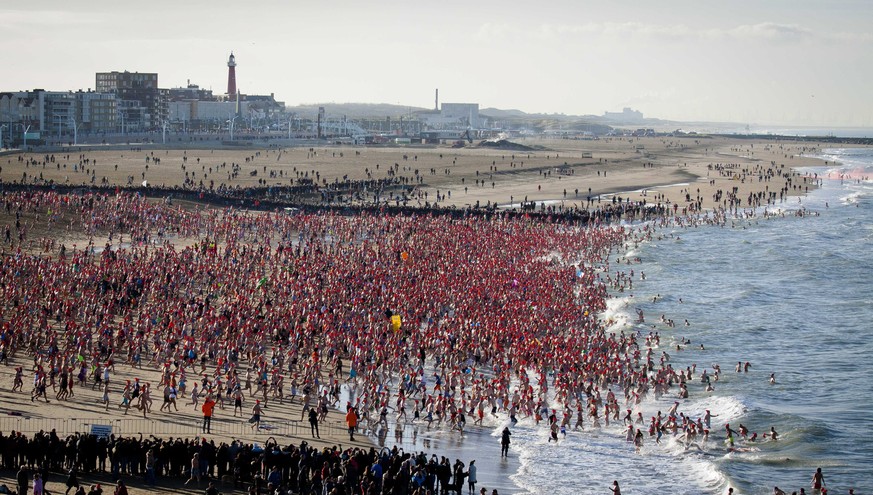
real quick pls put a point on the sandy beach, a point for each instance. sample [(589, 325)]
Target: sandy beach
[(558, 172), (686, 172), (280, 421)]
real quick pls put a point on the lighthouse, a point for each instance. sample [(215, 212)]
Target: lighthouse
[(231, 75)]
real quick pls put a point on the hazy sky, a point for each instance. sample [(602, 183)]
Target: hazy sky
[(797, 62)]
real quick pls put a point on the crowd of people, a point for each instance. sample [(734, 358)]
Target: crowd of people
[(421, 317), (203, 465), (402, 189), (299, 305), (269, 300)]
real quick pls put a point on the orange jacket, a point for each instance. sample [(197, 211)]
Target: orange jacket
[(207, 408)]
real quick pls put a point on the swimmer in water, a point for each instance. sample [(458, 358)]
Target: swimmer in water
[(707, 418), (818, 481), (773, 435), (615, 489), (772, 378)]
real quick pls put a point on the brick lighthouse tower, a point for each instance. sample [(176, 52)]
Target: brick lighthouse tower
[(231, 75)]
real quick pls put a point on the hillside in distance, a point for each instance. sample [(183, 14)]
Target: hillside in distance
[(355, 110), (384, 110)]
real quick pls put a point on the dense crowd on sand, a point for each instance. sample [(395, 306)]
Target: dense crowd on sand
[(431, 319), (300, 304)]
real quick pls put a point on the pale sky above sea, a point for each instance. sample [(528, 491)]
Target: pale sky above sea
[(785, 62)]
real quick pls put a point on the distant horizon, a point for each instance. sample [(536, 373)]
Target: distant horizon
[(570, 115)]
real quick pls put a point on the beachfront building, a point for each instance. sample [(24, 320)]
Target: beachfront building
[(190, 92), (96, 113), (627, 115), (453, 116), (57, 113), (197, 114), (19, 111), (141, 104), (127, 102), (59, 116)]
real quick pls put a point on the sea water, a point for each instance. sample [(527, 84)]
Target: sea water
[(793, 296)]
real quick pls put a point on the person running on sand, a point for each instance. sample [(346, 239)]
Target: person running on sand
[(238, 398), (313, 423), (195, 469), (145, 400), (39, 387), (125, 398), (195, 396), (62, 393), (255, 420), (18, 381), (105, 398), (166, 403), (306, 405), (174, 392)]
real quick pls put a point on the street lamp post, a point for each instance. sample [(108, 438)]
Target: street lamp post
[(75, 131), (231, 121)]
